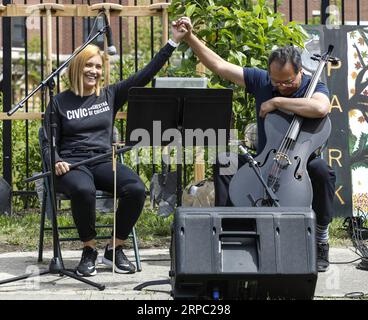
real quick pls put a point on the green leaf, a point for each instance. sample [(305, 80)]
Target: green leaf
[(215, 86), (255, 62), (257, 9), (190, 10), (270, 21)]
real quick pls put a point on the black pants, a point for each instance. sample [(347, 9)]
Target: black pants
[(81, 184), (321, 174)]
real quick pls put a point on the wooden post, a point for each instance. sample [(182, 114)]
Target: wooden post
[(157, 7), (165, 26), (106, 55), (83, 10), (48, 9), (201, 69), (199, 166), (48, 42)]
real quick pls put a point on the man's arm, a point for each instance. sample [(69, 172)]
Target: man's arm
[(317, 106), (210, 59)]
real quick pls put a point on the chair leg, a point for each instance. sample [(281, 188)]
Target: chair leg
[(42, 227), (136, 250)]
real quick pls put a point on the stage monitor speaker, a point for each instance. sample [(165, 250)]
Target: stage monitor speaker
[(243, 253)]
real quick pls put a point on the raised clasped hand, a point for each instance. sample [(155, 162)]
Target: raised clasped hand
[(183, 25)]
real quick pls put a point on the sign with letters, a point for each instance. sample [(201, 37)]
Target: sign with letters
[(347, 148)]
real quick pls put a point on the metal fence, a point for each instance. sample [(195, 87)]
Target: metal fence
[(18, 58), (320, 11), (70, 32)]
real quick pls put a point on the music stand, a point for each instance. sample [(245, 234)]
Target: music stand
[(177, 110)]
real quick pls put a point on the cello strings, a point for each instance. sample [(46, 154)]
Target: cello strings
[(275, 167), (283, 149)]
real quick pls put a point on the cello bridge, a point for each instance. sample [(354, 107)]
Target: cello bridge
[(282, 159)]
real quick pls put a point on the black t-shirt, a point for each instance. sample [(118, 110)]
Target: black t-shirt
[(86, 123)]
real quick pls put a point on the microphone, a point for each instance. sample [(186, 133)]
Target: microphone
[(248, 157), (111, 50)]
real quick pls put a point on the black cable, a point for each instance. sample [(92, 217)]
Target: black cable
[(355, 295), (347, 262), (349, 295), (94, 24), (359, 234), (156, 260)]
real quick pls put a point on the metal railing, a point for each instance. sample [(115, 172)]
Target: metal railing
[(73, 17), (70, 23)]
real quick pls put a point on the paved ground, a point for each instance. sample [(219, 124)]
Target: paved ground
[(340, 280)]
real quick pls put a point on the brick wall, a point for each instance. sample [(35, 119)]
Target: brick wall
[(298, 10)]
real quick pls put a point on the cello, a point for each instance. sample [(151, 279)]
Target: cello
[(278, 176)]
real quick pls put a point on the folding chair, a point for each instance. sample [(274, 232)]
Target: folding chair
[(61, 196)]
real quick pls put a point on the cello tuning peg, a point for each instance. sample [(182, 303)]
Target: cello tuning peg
[(316, 57), (335, 61)]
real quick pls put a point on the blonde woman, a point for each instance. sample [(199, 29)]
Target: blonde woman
[(84, 116)]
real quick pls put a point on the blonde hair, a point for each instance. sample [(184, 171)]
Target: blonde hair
[(75, 69)]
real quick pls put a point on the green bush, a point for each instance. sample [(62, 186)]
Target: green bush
[(19, 170), (19, 154)]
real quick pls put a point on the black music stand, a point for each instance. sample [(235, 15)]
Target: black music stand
[(177, 110)]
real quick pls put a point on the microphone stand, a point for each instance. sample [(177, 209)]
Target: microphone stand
[(56, 265), (77, 164)]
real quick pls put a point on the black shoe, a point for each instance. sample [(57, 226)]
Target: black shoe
[(122, 264), (87, 265), (322, 257)]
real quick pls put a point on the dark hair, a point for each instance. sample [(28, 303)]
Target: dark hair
[(284, 55)]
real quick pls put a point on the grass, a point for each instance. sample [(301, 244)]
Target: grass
[(20, 232), (337, 234)]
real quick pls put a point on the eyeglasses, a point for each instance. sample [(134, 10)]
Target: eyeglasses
[(288, 83)]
